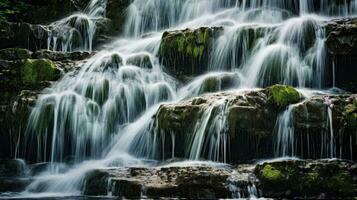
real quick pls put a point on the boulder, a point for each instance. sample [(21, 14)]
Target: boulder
[(247, 115), (281, 96), (185, 52), (195, 182), (96, 183), (259, 124), (306, 178), (140, 60), (12, 168), (341, 44), (317, 118)]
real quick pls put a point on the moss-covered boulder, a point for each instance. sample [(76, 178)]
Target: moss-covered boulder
[(14, 54), (185, 52), (281, 96), (36, 71), (301, 178), (246, 116)]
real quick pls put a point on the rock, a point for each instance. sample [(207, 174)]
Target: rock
[(116, 12), (195, 182), (247, 115), (185, 52), (281, 96), (61, 56), (46, 11), (140, 60), (312, 121), (341, 44), (22, 35), (252, 121), (219, 82), (35, 71), (15, 54), (13, 184), (12, 168), (342, 36), (301, 178), (96, 183), (22, 81)]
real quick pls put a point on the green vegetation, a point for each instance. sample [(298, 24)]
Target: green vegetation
[(14, 54), (11, 9), (281, 96), (35, 71), (269, 173)]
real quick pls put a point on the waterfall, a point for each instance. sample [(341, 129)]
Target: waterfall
[(76, 32), (104, 114)]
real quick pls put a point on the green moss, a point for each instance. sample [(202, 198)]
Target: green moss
[(310, 180), (342, 184), (271, 174), (36, 71), (211, 84), (350, 113), (14, 54), (281, 96)]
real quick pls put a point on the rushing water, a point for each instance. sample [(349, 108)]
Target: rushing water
[(100, 116), (76, 32)]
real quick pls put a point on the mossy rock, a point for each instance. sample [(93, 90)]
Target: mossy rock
[(35, 71), (304, 178), (281, 96), (350, 112), (14, 54), (271, 174), (185, 52)]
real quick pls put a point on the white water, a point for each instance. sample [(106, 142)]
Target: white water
[(95, 116), (76, 32)]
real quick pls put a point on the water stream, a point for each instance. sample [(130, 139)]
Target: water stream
[(101, 115)]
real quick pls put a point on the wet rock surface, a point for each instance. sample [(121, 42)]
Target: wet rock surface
[(22, 35), (13, 175), (23, 76), (170, 182), (186, 52), (270, 179), (253, 116), (341, 44), (247, 116), (306, 178)]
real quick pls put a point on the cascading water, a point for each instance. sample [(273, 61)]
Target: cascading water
[(76, 32), (105, 110)]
